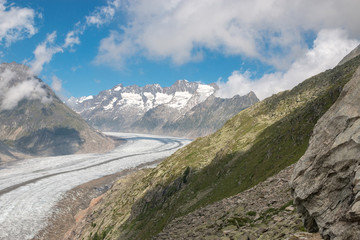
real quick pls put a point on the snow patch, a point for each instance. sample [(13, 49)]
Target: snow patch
[(162, 98), (150, 99), (204, 92), (180, 100), (118, 88), (133, 99), (83, 99), (149, 95), (111, 104)]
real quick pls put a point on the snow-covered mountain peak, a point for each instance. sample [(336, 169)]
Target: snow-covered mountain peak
[(118, 87), (182, 94), (85, 98), (127, 108)]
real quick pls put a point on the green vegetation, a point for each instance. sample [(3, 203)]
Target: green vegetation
[(251, 213), (103, 234), (252, 146), (239, 221)]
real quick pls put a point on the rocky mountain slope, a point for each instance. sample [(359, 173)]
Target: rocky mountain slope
[(265, 211), (35, 122), (326, 181), (254, 145), (208, 116), (184, 109)]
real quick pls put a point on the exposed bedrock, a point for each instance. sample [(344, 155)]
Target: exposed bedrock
[(326, 180)]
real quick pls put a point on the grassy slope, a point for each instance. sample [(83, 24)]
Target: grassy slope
[(255, 144)]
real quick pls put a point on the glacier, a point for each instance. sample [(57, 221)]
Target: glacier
[(29, 189)]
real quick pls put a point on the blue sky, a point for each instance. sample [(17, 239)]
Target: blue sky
[(260, 45)]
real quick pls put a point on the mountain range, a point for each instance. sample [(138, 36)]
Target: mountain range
[(35, 122), (186, 108)]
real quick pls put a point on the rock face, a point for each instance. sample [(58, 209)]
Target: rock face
[(184, 109), (262, 212), (35, 122), (209, 116), (326, 180)]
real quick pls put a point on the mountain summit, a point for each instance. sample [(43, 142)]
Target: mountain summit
[(183, 109), (35, 122)]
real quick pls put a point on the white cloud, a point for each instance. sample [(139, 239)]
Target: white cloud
[(44, 53), (13, 91), (270, 30), (15, 23), (75, 68), (113, 53), (71, 39), (5, 78), (56, 85), (27, 89), (98, 17), (103, 14), (329, 48)]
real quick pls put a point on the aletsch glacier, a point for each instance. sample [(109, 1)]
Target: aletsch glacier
[(29, 189)]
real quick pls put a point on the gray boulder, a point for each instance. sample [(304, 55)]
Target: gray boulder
[(326, 180)]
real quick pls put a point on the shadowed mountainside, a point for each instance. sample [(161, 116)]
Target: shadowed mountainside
[(35, 127)]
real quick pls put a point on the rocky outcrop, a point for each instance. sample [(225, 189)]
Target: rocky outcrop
[(262, 212), (326, 180)]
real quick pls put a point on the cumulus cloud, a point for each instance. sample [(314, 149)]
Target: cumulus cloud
[(5, 78), (329, 48), (103, 14), (56, 85), (12, 91), (44, 53), (15, 23), (270, 30), (114, 51), (98, 17), (71, 39)]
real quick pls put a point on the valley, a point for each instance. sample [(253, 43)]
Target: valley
[(179, 120), (29, 189)]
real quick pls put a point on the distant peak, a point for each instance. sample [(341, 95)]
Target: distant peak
[(214, 85), (181, 82), (118, 87), (252, 95)]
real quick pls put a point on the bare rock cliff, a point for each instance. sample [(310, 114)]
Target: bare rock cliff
[(326, 180)]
